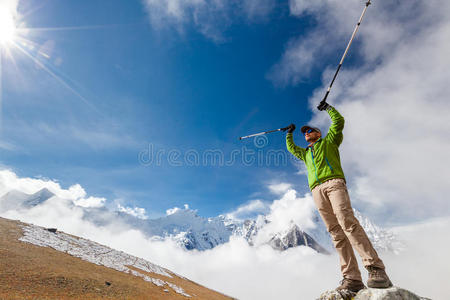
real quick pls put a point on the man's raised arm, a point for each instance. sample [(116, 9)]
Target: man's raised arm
[(335, 132), (291, 146)]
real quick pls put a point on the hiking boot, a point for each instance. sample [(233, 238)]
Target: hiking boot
[(378, 278), (351, 285)]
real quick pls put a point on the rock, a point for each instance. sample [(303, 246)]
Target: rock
[(393, 293), (335, 295)]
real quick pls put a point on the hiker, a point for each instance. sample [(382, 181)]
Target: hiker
[(327, 183)]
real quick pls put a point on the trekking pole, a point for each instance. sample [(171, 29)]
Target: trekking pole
[(261, 133), (345, 52), (335, 74)]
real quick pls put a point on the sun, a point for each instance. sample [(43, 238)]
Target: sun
[(7, 26)]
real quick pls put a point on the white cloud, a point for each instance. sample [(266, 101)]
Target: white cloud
[(249, 210), (427, 245), (280, 188), (210, 17), (137, 212), (258, 8), (286, 211), (171, 211), (306, 53), (237, 269), (385, 26), (301, 7), (298, 60), (91, 202), (75, 193), (292, 208)]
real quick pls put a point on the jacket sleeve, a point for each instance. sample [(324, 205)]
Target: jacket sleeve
[(293, 148), (334, 134)]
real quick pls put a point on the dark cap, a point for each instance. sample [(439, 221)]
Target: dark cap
[(306, 127)]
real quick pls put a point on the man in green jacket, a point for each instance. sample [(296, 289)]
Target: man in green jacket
[(327, 183)]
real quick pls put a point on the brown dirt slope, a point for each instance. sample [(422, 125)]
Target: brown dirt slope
[(32, 272)]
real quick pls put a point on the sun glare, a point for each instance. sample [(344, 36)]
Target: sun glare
[(7, 26)]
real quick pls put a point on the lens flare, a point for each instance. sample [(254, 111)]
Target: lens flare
[(7, 26)]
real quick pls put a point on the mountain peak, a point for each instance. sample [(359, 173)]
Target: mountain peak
[(15, 199), (37, 198), (45, 192), (295, 237)]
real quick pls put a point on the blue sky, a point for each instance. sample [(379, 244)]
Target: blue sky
[(121, 84), (89, 87)]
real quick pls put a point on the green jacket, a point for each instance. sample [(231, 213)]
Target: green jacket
[(322, 158)]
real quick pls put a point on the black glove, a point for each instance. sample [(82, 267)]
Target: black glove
[(291, 128), (323, 105)]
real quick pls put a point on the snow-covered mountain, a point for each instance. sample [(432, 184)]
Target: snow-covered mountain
[(193, 232), (381, 239), (16, 199), (189, 229), (294, 237)]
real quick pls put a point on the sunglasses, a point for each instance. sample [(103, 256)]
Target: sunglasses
[(309, 131)]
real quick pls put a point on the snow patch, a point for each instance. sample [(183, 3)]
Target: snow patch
[(97, 254)]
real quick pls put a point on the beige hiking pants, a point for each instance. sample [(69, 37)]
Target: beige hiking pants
[(333, 203)]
